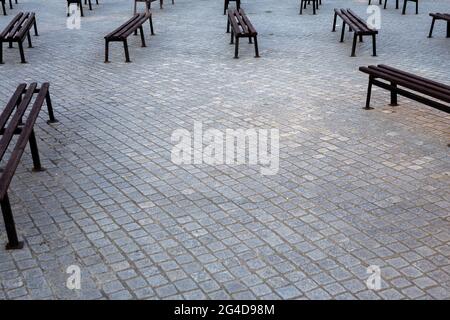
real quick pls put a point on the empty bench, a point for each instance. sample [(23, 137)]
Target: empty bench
[(79, 4), (227, 3), (315, 3), (16, 31), (129, 27), (356, 24), (15, 120), (440, 16), (413, 87), (241, 27)]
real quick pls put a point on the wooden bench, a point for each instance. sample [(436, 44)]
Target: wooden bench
[(13, 122), (129, 27), (359, 27), (440, 16), (241, 27), (404, 6), (315, 3), (385, 3), (79, 3), (16, 31), (393, 78), (226, 4)]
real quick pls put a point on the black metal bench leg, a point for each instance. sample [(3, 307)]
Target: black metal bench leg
[(30, 45), (225, 6), (106, 51), (228, 25), (232, 37), (334, 22), (393, 96), (13, 241), (369, 94), (396, 4), (51, 115), (385, 3), (35, 153), (90, 4), (236, 48), (125, 47), (4, 9), (343, 31), (432, 27), (374, 45), (355, 37), (448, 29), (152, 32), (301, 7), (404, 6), (10, 4), (361, 38), (1, 52), (35, 28), (417, 6), (22, 53), (81, 10), (314, 7), (256, 47), (141, 31)]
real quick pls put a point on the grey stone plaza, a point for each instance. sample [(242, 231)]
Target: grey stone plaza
[(354, 188)]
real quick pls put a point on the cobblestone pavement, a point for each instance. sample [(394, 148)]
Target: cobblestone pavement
[(355, 188)]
